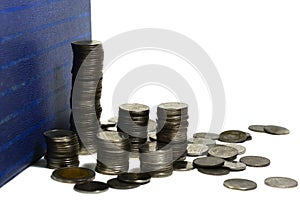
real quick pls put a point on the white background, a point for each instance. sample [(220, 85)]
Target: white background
[(255, 46)]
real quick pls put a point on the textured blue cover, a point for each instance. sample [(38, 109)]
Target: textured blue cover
[(35, 74)]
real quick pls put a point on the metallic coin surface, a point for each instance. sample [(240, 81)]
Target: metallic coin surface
[(212, 136), (117, 184), (91, 187), (183, 166), (255, 161), (235, 166), (208, 162), (257, 128), (233, 136), (214, 171), (276, 130), (73, 175), (241, 149), (240, 184), (197, 150), (281, 182), (203, 141), (222, 151), (140, 178)]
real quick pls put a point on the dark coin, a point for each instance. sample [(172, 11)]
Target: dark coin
[(281, 182), (105, 125), (235, 166), (240, 184), (222, 151), (117, 184), (212, 136), (233, 136), (276, 130), (255, 161), (140, 178), (257, 128), (214, 171), (182, 166), (73, 175), (208, 162), (91, 187)]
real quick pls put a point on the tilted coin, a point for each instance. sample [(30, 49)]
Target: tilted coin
[(235, 166), (222, 151), (113, 119), (204, 141), (241, 149), (73, 175), (105, 125), (140, 178), (281, 182), (117, 184), (208, 162), (249, 137), (233, 136), (214, 171), (276, 130), (197, 149), (212, 136), (91, 187), (182, 166), (257, 128), (240, 184), (255, 161)]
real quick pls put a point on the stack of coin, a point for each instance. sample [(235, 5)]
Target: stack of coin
[(157, 159), (172, 124), (62, 148), (87, 71), (113, 152), (133, 120)]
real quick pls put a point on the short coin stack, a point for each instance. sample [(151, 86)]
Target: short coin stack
[(113, 152), (87, 71), (172, 124), (62, 148), (157, 159), (133, 120)]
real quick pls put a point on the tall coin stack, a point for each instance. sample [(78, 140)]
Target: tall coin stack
[(113, 152), (157, 159), (172, 124), (133, 120), (87, 71), (62, 148)]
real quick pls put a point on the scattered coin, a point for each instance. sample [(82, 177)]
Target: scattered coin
[(281, 182), (249, 137), (113, 119), (257, 128), (203, 141), (73, 175), (117, 184), (107, 124), (255, 161), (241, 149), (222, 151), (208, 162), (235, 166), (233, 136), (240, 184), (276, 130), (197, 150), (214, 171), (212, 136), (91, 187), (182, 166), (140, 178)]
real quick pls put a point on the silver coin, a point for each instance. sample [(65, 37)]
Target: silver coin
[(113, 119), (140, 178), (197, 150), (281, 182), (222, 151), (257, 128), (182, 166), (173, 106), (214, 171), (203, 141), (240, 184), (134, 108), (241, 149), (255, 161), (233, 136), (235, 166), (208, 162), (212, 136), (276, 130)]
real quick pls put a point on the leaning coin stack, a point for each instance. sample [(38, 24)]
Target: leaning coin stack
[(172, 124), (87, 71), (133, 120), (113, 152), (62, 148), (157, 159)]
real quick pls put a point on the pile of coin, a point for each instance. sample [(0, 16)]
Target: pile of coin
[(172, 126), (133, 120), (157, 159), (62, 148), (113, 152), (87, 71)]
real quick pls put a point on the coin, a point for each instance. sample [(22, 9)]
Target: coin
[(255, 161), (233, 136), (107, 124), (208, 162), (203, 141), (140, 178), (240, 184), (73, 175), (241, 149), (222, 151), (117, 184), (214, 171), (281, 182), (196, 149), (257, 128), (212, 136), (91, 187), (183, 166), (276, 130), (234, 166)]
